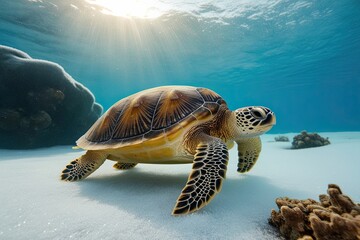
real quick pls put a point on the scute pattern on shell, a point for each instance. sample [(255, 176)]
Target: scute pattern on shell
[(174, 106), (152, 111)]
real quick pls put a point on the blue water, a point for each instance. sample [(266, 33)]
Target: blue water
[(299, 58)]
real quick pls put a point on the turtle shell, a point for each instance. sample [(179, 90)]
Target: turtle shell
[(151, 114)]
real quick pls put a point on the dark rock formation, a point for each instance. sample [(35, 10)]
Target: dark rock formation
[(308, 140), (281, 139), (335, 217), (40, 104)]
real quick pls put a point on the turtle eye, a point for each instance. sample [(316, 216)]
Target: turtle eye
[(258, 113)]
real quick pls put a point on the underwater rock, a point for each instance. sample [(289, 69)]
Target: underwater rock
[(40, 104), (281, 139), (335, 217), (308, 140)]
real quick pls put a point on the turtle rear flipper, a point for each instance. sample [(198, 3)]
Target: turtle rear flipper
[(83, 166), (205, 180), (124, 166)]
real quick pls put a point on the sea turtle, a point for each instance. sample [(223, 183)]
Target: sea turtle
[(171, 125)]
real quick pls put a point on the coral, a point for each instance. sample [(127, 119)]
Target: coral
[(335, 217), (281, 139), (41, 105), (308, 140)]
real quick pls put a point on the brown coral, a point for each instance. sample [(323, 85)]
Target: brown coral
[(335, 217), (281, 139), (308, 140)]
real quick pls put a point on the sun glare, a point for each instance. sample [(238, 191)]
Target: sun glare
[(129, 8)]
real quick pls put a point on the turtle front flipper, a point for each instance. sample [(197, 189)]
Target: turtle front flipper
[(205, 180), (83, 166), (124, 166), (249, 150)]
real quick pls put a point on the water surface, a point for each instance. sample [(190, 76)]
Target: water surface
[(300, 58)]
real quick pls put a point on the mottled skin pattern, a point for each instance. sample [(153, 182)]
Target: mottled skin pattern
[(124, 166), (208, 171), (171, 125)]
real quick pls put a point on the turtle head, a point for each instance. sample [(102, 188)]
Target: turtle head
[(253, 121)]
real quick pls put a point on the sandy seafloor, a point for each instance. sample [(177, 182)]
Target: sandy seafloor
[(35, 204)]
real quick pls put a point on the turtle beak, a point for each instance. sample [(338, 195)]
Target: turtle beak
[(274, 119), (269, 118)]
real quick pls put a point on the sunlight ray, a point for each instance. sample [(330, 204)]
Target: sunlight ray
[(130, 8)]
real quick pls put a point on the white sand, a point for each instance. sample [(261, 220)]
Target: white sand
[(35, 204)]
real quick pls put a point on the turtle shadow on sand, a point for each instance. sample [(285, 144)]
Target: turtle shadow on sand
[(150, 196), (135, 190)]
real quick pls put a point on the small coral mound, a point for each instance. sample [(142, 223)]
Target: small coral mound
[(308, 140), (335, 217), (41, 105), (281, 139)]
